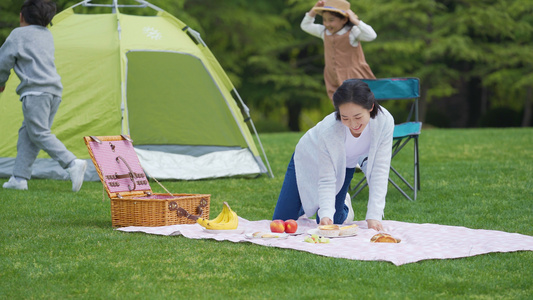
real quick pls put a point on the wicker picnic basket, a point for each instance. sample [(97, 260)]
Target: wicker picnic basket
[(132, 201)]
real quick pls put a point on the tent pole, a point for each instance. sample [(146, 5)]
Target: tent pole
[(247, 111)]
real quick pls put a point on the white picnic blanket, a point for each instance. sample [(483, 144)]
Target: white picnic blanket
[(418, 241)]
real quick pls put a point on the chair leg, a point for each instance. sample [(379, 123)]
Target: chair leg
[(417, 163), (398, 145), (400, 189), (416, 185), (358, 187), (401, 177)]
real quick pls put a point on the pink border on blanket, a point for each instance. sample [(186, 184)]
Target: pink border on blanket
[(419, 241)]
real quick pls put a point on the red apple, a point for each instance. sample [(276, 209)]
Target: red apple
[(291, 226), (277, 226)]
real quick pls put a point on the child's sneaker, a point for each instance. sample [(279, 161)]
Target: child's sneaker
[(16, 183), (77, 172)]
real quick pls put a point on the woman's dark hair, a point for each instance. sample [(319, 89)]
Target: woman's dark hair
[(38, 12), (357, 92)]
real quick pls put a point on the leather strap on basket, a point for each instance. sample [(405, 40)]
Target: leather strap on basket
[(130, 175), (183, 213), (149, 175), (180, 211)]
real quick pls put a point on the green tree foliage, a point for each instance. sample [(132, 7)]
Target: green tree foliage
[(472, 56), (9, 17), (507, 67), (262, 49), (481, 46)]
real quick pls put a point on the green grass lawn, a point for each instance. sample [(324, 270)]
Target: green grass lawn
[(56, 244)]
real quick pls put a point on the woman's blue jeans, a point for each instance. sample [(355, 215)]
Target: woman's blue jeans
[(289, 204)]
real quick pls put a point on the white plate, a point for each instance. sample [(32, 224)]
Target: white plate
[(233, 231), (298, 232), (315, 231), (278, 236)]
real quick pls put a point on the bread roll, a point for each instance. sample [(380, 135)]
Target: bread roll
[(384, 238)]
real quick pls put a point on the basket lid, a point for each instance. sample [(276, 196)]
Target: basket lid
[(118, 165)]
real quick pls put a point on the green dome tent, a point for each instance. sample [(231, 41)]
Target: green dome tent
[(150, 77)]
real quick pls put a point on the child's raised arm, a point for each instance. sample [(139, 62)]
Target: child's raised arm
[(312, 12), (353, 17)]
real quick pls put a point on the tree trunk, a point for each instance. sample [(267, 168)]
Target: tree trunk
[(294, 110), (484, 100), (528, 109), (422, 103)]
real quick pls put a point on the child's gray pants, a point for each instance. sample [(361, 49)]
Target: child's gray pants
[(35, 134)]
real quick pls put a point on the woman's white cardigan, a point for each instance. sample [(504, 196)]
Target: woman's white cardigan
[(320, 163)]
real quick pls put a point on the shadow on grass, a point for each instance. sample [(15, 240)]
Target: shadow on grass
[(83, 223)]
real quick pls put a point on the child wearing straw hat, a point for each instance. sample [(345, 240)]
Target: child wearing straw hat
[(342, 32)]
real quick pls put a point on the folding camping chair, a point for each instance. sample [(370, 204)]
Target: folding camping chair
[(399, 89)]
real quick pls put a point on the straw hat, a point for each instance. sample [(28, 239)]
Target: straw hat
[(339, 6)]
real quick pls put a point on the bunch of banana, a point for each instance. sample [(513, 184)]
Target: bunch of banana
[(226, 220)]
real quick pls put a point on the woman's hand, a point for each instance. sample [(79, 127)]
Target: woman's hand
[(353, 17), (2, 88), (326, 221), (374, 224), (312, 12)]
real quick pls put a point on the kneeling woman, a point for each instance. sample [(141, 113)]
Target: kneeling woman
[(359, 132)]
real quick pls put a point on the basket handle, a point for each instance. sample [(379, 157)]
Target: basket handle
[(130, 174), (182, 212)]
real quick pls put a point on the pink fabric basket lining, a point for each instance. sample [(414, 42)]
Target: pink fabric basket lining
[(105, 155)]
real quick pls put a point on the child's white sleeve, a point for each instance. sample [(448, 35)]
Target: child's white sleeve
[(308, 25), (362, 32)]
